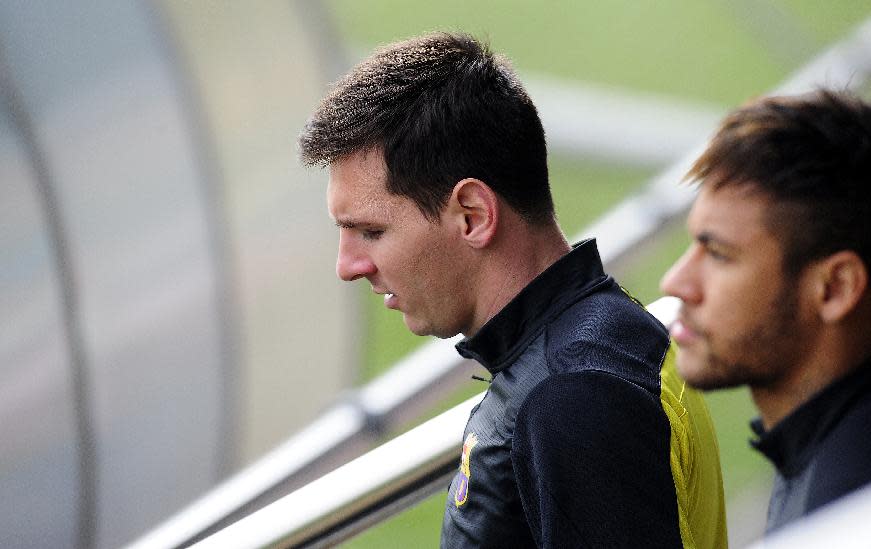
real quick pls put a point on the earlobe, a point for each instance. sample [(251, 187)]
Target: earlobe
[(477, 211), (843, 282)]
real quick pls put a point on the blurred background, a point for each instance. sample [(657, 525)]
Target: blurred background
[(168, 306)]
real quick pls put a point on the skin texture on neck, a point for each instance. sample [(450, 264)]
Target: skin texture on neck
[(838, 350), (518, 253)]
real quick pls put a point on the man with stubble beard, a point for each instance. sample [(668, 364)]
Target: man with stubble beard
[(775, 288)]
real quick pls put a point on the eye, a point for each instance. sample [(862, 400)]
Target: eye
[(714, 249), (372, 234), (716, 255)]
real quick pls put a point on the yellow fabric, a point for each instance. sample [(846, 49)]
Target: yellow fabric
[(695, 461)]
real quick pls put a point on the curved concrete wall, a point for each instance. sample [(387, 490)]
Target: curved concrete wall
[(166, 268)]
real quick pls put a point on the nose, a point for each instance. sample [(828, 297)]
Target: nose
[(681, 280), (352, 263)]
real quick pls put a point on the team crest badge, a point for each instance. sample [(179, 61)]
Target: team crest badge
[(462, 493)]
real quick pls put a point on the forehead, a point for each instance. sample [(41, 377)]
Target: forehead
[(357, 187), (738, 214)]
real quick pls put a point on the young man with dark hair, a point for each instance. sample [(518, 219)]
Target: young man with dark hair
[(775, 287), (438, 184)]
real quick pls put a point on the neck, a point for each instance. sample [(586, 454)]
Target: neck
[(516, 258), (831, 357)]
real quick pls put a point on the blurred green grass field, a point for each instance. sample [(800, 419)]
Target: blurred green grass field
[(720, 52)]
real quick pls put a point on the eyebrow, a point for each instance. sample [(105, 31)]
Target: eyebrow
[(351, 223), (706, 238)]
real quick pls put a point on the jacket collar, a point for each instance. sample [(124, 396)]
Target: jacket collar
[(791, 443), (501, 340)]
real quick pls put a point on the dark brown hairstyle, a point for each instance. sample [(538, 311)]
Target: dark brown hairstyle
[(441, 108), (811, 155)]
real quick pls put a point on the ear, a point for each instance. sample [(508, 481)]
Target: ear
[(841, 281), (474, 207)]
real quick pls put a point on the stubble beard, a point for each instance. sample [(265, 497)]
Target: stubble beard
[(757, 357)]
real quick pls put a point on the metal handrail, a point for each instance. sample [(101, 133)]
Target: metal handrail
[(339, 435), (843, 524), (427, 374), (371, 488)]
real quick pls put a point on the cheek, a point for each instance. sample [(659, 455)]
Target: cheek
[(743, 315), (419, 265), (442, 279), (734, 300), (403, 255)]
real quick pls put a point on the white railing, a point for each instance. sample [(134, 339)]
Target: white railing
[(371, 488), (842, 524)]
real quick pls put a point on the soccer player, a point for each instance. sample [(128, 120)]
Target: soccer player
[(438, 185), (775, 288)]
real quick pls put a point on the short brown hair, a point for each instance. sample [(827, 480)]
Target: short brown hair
[(811, 155), (441, 107)]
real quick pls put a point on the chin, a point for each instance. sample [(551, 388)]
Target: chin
[(415, 327), (691, 376), (694, 371), (707, 375), (429, 330), (419, 331), (703, 383)]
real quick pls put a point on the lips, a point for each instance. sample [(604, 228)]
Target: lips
[(390, 299), (683, 332)]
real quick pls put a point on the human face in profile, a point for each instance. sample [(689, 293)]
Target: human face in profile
[(741, 320), (415, 262)]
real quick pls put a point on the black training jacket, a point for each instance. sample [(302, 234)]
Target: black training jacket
[(570, 447), (822, 450)]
